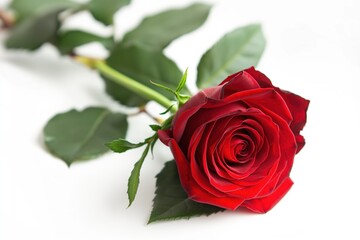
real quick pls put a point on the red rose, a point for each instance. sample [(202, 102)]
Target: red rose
[(234, 144)]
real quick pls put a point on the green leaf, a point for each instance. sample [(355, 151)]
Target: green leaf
[(152, 144), (158, 31), (142, 65), (155, 127), (26, 8), (182, 82), (134, 179), (82, 135), (171, 201), (121, 145), (167, 110), (104, 10), (163, 87), (35, 31), (67, 41), (181, 98), (236, 51)]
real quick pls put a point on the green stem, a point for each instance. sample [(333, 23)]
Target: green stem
[(128, 82)]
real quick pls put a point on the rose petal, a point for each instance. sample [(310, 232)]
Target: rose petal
[(198, 194), (198, 173), (201, 117), (185, 112), (268, 100), (240, 82), (252, 191), (263, 205), (164, 136), (181, 163), (300, 143), (297, 105), (221, 184), (261, 78)]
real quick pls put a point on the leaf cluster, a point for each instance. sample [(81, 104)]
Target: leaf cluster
[(139, 54)]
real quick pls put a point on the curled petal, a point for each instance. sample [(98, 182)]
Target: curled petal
[(264, 204), (238, 82), (298, 107), (198, 194)]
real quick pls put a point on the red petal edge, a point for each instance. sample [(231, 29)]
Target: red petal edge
[(263, 205)]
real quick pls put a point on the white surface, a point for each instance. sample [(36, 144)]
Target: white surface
[(313, 50)]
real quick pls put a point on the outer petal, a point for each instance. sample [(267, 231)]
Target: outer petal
[(261, 78), (164, 136), (241, 81), (181, 163), (263, 205), (297, 105), (266, 99), (198, 194), (300, 141), (184, 114)]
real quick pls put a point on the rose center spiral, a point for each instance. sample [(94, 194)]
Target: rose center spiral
[(242, 149)]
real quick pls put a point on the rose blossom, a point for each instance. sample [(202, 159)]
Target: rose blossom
[(234, 144)]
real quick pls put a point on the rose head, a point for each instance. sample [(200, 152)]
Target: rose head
[(234, 144)]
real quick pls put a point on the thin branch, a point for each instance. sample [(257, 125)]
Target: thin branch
[(6, 19), (142, 109)]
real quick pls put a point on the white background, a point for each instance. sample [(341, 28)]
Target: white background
[(313, 49)]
